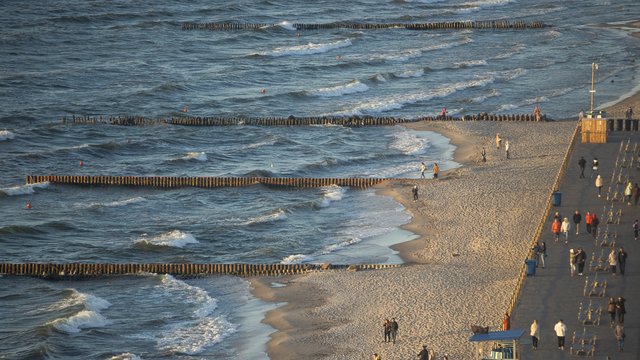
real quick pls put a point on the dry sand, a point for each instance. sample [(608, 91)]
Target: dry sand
[(475, 224)]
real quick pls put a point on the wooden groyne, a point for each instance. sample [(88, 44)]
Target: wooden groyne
[(204, 182), (89, 271), (487, 24), (351, 121)]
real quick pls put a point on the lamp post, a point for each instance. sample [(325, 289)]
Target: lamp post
[(594, 67)]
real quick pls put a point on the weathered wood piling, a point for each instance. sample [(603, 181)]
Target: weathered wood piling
[(487, 24)]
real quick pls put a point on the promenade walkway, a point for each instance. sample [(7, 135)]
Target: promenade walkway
[(553, 294)]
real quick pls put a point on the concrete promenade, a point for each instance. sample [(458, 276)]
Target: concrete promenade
[(553, 294)]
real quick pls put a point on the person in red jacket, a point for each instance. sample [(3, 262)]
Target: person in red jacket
[(594, 225), (555, 228), (587, 219)]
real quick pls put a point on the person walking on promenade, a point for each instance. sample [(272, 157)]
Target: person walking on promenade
[(581, 115), (415, 193), (535, 334), (599, 184), (561, 331), (635, 229), (577, 218), (587, 220), (424, 354), (594, 225), (394, 329), (628, 192), (436, 170), (558, 217), (612, 310), (580, 259), (543, 252), (556, 228), (536, 253), (620, 335), (566, 226), (583, 164), (506, 322), (423, 167), (572, 261), (498, 141), (620, 309), (594, 169), (635, 192), (506, 148), (387, 330), (613, 261), (622, 260)]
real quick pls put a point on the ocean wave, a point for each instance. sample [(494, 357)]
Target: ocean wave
[(380, 78), (90, 317), (244, 147), (488, 3), (190, 294), (553, 34), (332, 193), (278, 215), (200, 156), (514, 50), (408, 143), (24, 189), (125, 356), (539, 99), (471, 63), (331, 248), (134, 200), (465, 40), (175, 238), (308, 49), (351, 88), (410, 73), (6, 135), (286, 25), (297, 259), (482, 98)]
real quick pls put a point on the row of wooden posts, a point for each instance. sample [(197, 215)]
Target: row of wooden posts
[(488, 24), (205, 182), (76, 269), (291, 120)]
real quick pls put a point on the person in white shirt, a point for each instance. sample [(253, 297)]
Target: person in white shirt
[(535, 334), (561, 331), (566, 226)]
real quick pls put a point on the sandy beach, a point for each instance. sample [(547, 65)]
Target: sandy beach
[(475, 225)]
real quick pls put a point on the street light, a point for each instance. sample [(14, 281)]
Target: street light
[(594, 67)]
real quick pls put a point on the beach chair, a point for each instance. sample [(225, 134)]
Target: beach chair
[(605, 241), (631, 148), (599, 258), (589, 338), (586, 349), (589, 319), (614, 209), (619, 160), (607, 232), (609, 218), (622, 148), (594, 291), (599, 266), (578, 337)]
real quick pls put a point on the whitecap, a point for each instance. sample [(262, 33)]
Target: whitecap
[(125, 356), (297, 259), (408, 143), (332, 193), (350, 88), (200, 156), (175, 238), (275, 216), (410, 73), (24, 189), (287, 25), (308, 49), (192, 337), (88, 318), (134, 200), (6, 135), (471, 63)]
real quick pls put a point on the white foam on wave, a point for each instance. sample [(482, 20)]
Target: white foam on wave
[(24, 189), (287, 25), (134, 200), (244, 147), (276, 216), (471, 63), (297, 259), (200, 156), (408, 143), (175, 238), (482, 98), (308, 49), (351, 88), (514, 50), (410, 73), (381, 78), (532, 101), (398, 101), (6, 135), (553, 34), (200, 330), (125, 356), (488, 3), (332, 193), (90, 317), (465, 40)]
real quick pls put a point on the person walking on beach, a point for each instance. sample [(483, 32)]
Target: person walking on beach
[(629, 113), (594, 168), (599, 184), (394, 329), (580, 259), (635, 229), (556, 228), (415, 193), (443, 113), (423, 167), (628, 192), (536, 112), (622, 260), (535, 334), (498, 141), (583, 164), (612, 310), (566, 226), (594, 225), (587, 220), (387, 330), (376, 357), (506, 322), (635, 192), (620, 335), (577, 218), (620, 309), (613, 261), (572, 261), (484, 155), (436, 170), (561, 331), (424, 354)]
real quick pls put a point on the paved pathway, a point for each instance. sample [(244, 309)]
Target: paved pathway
[(553, 294)]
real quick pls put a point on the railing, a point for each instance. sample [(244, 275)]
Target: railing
[(543, 219)]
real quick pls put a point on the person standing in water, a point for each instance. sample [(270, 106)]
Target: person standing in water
[(436, 170)]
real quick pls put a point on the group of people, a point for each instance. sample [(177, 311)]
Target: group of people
[(499, 142), (423, 168), (594, 167), (390, 329), (615, 307)]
